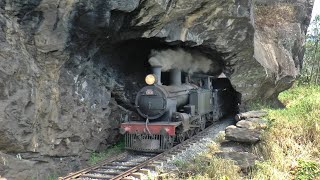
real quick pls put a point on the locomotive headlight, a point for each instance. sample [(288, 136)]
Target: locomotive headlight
[(150, 79)]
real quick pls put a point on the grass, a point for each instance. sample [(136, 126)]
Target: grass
[(290, 147), (208, 166), (112, 151), (53, 177)]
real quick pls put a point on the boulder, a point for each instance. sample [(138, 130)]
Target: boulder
[(233, 146), (250, 114), (245, 135), (246, 124), (259, 123), (252, 123)]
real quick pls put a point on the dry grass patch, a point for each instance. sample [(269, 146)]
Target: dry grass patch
[(208, 166)]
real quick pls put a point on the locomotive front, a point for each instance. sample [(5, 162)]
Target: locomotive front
[(151, 102), (157, 101), (171, 113), (158, 104)]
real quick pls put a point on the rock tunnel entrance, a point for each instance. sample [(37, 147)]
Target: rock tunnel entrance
[(130, 60), (67, 65), (100, 81)]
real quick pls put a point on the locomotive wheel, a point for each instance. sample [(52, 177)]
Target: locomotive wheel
[(168, 142), (181, 137), (197, 130), (202, 123), (190, 133)]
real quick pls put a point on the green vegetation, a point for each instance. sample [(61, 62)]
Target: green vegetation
[(53, 177), (307, 170), (110, 152), (311, 64), (291, 146)]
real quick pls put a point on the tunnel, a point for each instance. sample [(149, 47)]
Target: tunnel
[(232, 97), (105, 72), (129, 60)]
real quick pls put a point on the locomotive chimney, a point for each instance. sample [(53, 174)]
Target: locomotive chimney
[(175, 77), (156, 70)]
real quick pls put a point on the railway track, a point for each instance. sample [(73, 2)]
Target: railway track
[(125, 165)]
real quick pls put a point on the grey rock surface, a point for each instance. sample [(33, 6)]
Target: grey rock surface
[(69, 70), (259, 123), (252, 123), (245, 135), (233, 146), (246, 124), (250, 114)]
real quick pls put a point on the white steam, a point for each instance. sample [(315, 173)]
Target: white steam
[(180, 59)]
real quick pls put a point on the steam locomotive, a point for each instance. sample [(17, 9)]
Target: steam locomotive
[(169, 114)]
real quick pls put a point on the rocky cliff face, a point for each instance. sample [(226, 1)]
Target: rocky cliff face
[(70, 69)]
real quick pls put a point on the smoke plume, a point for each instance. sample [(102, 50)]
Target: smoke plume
[(180, 59)]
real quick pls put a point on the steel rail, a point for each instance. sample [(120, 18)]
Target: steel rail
[(143, 164), (159, 156), (86, 170)]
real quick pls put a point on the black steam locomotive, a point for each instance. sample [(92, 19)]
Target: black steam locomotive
[(169, 114)]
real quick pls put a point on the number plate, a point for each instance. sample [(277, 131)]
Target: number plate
[(149, 92)]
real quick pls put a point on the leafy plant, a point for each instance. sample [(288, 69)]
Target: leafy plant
[(306, 170)]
